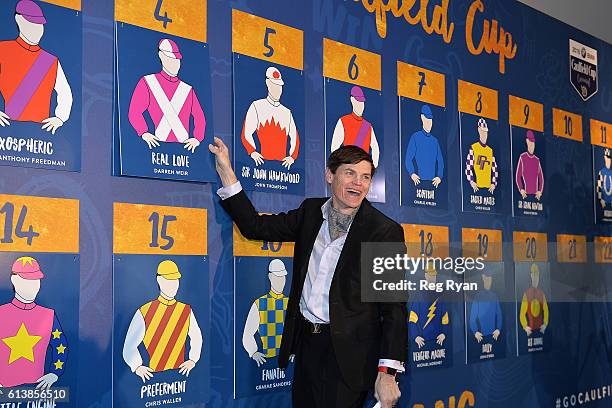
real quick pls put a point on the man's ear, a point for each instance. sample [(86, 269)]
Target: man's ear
[(328, 175)]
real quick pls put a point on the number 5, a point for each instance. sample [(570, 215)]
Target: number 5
[(266, 44)]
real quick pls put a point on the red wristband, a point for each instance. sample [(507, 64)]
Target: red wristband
[(387, 370)]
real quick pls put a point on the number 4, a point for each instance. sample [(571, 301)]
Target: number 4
[(159, 17)]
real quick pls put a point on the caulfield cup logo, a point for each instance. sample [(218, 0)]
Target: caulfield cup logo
[(583, 69)]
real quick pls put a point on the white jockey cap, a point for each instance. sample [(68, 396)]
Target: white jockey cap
[(277, 268), (274, 75)]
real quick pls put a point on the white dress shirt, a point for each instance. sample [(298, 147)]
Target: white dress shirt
[(314, 303)]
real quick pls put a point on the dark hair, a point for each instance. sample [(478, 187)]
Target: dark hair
[(348, 155)]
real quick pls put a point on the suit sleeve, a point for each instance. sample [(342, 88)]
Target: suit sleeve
[(394, 342), (281, 227)]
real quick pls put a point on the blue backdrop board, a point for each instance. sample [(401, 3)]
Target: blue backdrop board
[(423, 137), (163, 113), (161, 323), (484, 151), (39, 307), (268, 86), (535, 58), (354, 107), (533, 297), (262, 280), (528, 172), (533, 277), (486, 325), (430, 327), (41, 85)]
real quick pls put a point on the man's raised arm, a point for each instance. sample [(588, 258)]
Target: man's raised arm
[(281, 227)]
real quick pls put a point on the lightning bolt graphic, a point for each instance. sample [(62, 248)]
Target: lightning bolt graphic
[(432, 312)]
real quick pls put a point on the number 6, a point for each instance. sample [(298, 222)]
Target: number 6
[(353, 69)]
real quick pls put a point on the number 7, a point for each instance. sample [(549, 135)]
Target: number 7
[(422, 82)]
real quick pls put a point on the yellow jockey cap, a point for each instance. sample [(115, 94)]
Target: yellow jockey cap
[(535, 270), (169, 270)]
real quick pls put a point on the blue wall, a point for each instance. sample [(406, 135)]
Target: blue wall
[(582, 353)]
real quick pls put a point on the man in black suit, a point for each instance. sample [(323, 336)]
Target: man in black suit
[(342, 346)]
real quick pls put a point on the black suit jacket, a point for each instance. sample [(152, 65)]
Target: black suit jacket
[(361, 333)]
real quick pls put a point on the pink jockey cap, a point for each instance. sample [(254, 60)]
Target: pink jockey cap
[(30, 11), (170, 48), (27, 268), (357, 93)]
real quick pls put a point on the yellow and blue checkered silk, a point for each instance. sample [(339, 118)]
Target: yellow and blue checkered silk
[(272, 307)]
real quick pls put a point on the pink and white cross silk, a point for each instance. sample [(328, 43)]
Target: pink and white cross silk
[(170, 103)]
